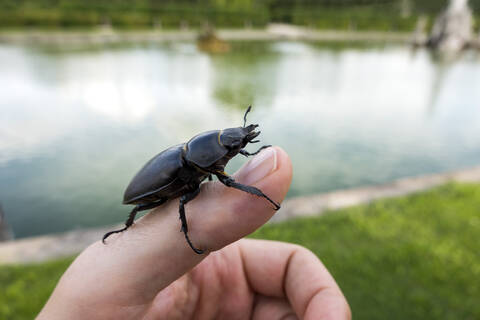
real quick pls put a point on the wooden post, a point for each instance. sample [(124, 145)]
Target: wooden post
[(5, 232)]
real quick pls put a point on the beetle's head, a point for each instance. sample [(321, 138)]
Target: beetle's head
[(238, 138)]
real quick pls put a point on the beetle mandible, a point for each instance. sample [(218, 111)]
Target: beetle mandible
[(179, 170)]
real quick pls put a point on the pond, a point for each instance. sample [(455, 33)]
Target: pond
[(77, 123)]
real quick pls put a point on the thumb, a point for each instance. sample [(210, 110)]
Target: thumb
[(150, 255)]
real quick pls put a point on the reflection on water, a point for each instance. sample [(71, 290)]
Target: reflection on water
[(241, 79), (75, 125)]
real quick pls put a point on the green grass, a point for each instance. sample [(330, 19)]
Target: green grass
[(414, 257), (26, 288)]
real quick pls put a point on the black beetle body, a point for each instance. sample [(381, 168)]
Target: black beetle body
[(179, 170)]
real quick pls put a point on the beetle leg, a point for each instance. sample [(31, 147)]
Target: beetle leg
[(183, 201), (247, 154), (230, 182), (133, 213), (210, 177)]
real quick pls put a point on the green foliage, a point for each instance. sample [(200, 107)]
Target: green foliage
[(324, 14), (413, 257), (130, 14), (357, 18)]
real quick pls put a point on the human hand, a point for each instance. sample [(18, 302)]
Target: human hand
[(150, 272)]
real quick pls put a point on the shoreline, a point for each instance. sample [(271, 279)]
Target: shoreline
[(46, 247), (105, 35)]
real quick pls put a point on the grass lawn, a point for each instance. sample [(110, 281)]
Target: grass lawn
[(414, 257)]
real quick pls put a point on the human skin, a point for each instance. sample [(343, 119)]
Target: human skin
[(150, 272)]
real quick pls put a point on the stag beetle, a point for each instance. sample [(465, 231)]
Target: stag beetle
[(179, 170)]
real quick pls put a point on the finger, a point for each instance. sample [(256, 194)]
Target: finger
[(153, 253), (272, 308), (288, 271), (229, 214)]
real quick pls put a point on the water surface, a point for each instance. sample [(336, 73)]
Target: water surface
[(76, 124)]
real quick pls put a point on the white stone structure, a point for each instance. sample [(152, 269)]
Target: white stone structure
[(452, 30)]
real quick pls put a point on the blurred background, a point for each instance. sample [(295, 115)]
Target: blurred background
[(358, 92)]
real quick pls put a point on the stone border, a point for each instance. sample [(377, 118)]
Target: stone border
[(108, 36), (318, 204), (37, 249)]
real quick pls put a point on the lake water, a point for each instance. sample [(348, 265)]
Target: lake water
[(76, 124)]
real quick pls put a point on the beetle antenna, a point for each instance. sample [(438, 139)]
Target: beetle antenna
[(245, 116)]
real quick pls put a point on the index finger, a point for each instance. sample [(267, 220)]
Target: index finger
[(279, 269)]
